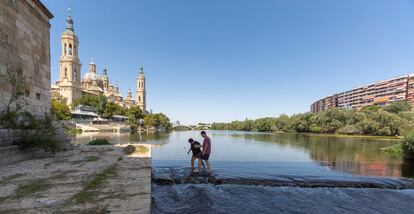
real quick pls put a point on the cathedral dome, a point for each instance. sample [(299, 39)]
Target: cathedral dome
[(90, 76)]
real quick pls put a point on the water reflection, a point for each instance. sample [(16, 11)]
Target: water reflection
[(276, 154)]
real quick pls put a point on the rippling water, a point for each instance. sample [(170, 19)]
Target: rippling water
[(250, 165)]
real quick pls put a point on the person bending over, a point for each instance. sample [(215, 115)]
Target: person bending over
[(195, 149)]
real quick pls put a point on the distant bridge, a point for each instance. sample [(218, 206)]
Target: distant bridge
[(192, 127)]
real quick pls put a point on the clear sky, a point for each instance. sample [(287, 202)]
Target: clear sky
[(219, 60)]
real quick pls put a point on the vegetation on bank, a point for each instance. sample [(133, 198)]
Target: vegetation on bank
[(99, 142), (394, 119), (407, 146), (39, 132)]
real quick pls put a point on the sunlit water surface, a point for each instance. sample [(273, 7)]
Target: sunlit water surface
[(263, 155)]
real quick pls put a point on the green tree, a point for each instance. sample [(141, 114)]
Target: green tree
[(113, 109), (60, 109), (398, 106)]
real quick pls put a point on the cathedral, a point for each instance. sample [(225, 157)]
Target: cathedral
[(71, 86)]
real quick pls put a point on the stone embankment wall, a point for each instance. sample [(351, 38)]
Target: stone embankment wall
[(10, 153)]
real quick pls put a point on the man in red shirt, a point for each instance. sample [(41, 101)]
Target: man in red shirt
[(205, 154)]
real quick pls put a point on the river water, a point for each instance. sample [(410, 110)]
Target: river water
[(267, 171)]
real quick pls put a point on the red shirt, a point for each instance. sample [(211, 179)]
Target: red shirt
[(206, 146)]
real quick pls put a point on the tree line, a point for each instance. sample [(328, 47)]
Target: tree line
[(107, 109), (394, 119)]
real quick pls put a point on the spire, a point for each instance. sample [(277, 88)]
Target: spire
[(69, 23), (104, 71), (141, 69)]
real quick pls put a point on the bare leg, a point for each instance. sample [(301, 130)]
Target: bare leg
[(199, 165), (192, 162), (202, 162), (208, 166)]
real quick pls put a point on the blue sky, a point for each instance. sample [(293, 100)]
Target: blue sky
[(221, 60)]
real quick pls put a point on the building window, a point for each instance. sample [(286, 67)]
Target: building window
[(64, 49), (37, 96), (139, 98), (70, 49)]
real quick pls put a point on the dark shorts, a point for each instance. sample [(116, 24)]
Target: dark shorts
[(205, 157)]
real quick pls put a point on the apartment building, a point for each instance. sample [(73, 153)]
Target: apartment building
[(378, 93)]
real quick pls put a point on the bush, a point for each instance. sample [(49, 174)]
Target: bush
[(99, 142), (129, 149), (407, 145), (41, 134), (349, 129)]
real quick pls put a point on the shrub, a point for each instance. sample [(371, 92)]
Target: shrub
[(129, 149), (349, 129), (408, 145), (42, 134), (99, 142)]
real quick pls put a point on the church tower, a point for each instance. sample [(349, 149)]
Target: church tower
[(69, 72), (105, 80), (140, 100)]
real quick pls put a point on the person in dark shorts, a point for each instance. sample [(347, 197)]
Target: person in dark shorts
[(205, 153), (196, 150)]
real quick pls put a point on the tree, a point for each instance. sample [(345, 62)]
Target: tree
[(60, 109), (158, 120), (398, 106), (113, 109)]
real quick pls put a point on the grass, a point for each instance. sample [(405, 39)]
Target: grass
[(142, 149), (32, 187), (72, 131), (95, 183), (394, 149), (139, 149), (99, 142)]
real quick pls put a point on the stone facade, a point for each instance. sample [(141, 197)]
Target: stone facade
[(25, 46)]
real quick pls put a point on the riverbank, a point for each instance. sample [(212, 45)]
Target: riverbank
[(96, 179)]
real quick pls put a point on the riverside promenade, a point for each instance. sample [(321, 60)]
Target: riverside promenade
[(87, 179)]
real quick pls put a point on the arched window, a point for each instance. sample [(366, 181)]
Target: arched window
[(66, 73), (139, 98), (64, 49), (74, 75), (70, 49)]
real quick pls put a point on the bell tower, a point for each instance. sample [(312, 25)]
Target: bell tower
[(141, 99), (69, 65)]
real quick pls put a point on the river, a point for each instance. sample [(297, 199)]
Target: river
[(260, 167)]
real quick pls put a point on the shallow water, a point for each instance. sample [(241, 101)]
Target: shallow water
[(264, 173), (248, 154)]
